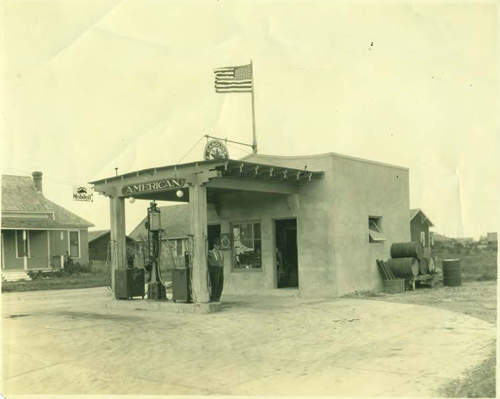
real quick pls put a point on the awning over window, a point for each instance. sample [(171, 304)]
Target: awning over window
[(376, 236)]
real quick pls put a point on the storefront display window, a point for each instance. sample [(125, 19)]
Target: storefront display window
[(247, 252)]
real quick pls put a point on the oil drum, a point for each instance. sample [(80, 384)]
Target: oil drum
[(452, 272), (404, 267), (412, 249)]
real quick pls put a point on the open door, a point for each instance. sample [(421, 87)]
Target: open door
[(286, 253), (213, 232)]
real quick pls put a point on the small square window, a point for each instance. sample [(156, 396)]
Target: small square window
[(375, 232)]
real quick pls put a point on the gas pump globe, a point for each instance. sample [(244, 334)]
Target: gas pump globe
[(154, 218)]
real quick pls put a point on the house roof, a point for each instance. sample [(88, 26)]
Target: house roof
[(175, 220), (19, 194), (415, 212), (21, 202), (95, 234)]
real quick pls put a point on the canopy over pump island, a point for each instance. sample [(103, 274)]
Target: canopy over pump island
[(317, 223)]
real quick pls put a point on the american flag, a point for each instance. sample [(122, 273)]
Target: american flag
[(237, 79)]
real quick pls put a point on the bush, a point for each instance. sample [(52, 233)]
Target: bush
[(76, 268), (39, 274)]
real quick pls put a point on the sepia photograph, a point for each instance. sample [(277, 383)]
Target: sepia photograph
[(249, 198)]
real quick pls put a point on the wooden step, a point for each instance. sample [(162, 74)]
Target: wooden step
[(14, 275)]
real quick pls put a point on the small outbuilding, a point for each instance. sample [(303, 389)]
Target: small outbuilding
[(99, 245), (419, 228)]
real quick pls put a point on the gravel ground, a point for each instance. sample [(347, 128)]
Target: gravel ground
[(477, 299), (68, 342)]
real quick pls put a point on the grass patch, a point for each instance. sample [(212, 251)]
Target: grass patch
[(476, 265), (83, 280), (478, 383)]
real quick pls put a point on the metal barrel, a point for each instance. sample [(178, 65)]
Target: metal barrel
[(404, 267), (412, 249), (452, 272)]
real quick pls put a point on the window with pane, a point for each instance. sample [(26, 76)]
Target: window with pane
[(175, 246), (375, 232), (74, 244), (247, 249)]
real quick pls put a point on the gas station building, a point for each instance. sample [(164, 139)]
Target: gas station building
[(315, 222)]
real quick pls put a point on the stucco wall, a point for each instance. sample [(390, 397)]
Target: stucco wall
[(250, 207), (334, 253), (361, 190)]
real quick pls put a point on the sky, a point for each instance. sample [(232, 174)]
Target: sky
[(89, 86)]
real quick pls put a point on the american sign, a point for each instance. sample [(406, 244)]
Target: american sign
[(158, 185), (83, 193)]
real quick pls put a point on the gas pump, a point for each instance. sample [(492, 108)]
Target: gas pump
[(156, 289)]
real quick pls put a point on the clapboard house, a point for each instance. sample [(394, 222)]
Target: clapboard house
[(37, 233)]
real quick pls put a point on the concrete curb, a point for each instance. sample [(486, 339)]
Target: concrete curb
[(163, 306)]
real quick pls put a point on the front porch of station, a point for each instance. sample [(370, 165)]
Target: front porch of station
[(237, 190)]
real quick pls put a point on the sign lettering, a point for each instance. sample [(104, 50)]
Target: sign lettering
[(83, 193), (159, 185)]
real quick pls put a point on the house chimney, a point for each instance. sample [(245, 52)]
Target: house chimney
[(37, 181)]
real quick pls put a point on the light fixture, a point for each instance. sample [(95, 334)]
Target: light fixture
[(131, 200), (179, 193)]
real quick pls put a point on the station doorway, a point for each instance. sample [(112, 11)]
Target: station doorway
[(286, 253), (213, 232)]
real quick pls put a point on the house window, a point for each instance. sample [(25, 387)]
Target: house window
[(247, 252), (176, 246), (74, 244), (23, 243), (375, 232)]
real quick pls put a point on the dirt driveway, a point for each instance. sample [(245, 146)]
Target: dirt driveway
[(67, 342)]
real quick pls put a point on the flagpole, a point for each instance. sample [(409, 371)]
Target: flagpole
[(254, 143)]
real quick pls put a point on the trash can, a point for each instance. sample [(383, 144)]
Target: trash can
[(181, 290), (129, 283), (452, 272)]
